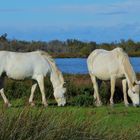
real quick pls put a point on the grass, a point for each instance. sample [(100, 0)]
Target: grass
[(68, 123), (80, 120)]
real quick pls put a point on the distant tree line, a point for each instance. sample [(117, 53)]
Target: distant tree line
[(68, 48)]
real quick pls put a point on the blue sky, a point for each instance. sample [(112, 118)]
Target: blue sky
[(87, 20)]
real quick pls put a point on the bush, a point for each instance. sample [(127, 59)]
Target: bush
[(104, 93), (79, 90), (83, 100), (17, 89)]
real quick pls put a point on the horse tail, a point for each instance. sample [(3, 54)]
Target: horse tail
[(90, 60)]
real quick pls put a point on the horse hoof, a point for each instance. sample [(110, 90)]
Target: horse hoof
[(45, 105), (112, 104), (98, 104), (8, 105), (32, 104), (126, 105)]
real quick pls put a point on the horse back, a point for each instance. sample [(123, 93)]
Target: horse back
[(21, 65), (103, 64)]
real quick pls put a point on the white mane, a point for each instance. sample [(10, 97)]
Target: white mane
[(130, 74), (56, 75)]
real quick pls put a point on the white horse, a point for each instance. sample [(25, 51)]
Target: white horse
[(110, 65), (34, 65)]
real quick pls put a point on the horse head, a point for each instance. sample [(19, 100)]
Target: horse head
[(59, 94), (133, 93)]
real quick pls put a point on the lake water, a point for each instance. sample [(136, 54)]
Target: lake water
[(79, 66)]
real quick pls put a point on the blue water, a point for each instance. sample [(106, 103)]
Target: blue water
[(79, 66)]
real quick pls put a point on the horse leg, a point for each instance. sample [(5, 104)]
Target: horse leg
[(4, 98), (96, 92), (124, 93), (2, 92), (32, 94), (99, 82), (92, 79), (40, 80), (112, 81)]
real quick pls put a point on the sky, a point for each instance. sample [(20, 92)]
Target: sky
[(85, 20)]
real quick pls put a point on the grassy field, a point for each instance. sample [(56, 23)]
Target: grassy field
[(80, 120), (68, 123)]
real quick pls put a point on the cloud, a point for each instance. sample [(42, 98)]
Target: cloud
[(112, 8), (114, 13), (100, 22)]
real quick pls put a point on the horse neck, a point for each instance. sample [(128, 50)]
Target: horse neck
[(56, 76), (130, 83)]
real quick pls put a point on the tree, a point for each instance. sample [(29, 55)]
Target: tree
[(3, 37)]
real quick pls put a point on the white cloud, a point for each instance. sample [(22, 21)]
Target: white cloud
[(123, 7)]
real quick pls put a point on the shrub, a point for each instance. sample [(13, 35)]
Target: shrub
[(79, 90), (104, 93), (83, 100)]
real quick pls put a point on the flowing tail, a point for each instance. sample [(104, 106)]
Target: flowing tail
[(90, 61)]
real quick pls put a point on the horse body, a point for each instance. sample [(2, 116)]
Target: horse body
[(34, 65), (23, 65), (110, 65), (104, 71)]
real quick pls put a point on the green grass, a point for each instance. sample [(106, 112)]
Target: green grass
[(80, 120), (68, 123)]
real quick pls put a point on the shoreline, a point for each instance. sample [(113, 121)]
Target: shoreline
[(59, 56)]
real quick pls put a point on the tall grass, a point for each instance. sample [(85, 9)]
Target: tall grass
[(69, 123), (78, 121), (34, 124)]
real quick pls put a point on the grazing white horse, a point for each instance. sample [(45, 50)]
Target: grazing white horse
[(110, 65), (34, 65)]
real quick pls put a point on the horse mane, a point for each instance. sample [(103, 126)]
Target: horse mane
[(128, 69), (54, 69)]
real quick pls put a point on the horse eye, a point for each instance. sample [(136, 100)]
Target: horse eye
[(133, 91), (64, 85)]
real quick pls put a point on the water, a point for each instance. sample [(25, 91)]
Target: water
[(79, 66)]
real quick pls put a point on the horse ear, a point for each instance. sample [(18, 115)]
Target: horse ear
[(64, 85), (136, 83)]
